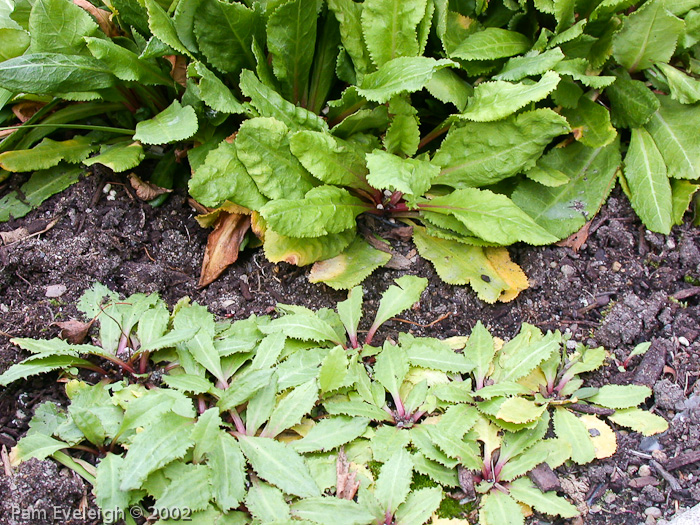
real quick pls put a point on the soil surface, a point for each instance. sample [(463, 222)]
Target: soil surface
[(624, 286)]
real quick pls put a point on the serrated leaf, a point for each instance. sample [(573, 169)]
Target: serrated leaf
[(519, 410), (125, 64), (331, 433), (447, 477), (228, 476), (419, 506), (163, 27), (49, 73), (389, 28), (498, 508), (330, 511), (521, 355), (267, 503), (307, 327), (47, 154), (672, 129), (684, 88), (38, 446), (33, 366), (400, 75), (159, 444), (530, 64), (269, 103), (498, 99), (683, 192), (262, 145), (391, 367), (603, 437), (225, 34), (525, 491), (467, 453), (356, 408), (334, 369), (213, 92), (57, 26), (640, 421), (191, 490), (330, 159), (173, 124), (306, 250), (409, 176), (649, 188), (278, 464), (243, 388), (323, 210), (479, 351), (570, 428), (349, 268), (399, 297), (590, 123), (435, 355), (482, 153), (647, 36), (394, 481), (632, 103), (350, 312), (108, 496), (563, 210), (448, 87), (578, 69), (491, 43), (292, 408), (201, 345)]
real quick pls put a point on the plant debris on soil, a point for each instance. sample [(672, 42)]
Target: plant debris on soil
[(622, 286)]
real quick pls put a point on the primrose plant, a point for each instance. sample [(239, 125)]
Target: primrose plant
[(293, 418)]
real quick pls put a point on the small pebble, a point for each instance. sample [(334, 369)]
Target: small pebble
[(649, 444), (568, 270), (644, 471), (660, 455), (610, 498), (650, 520), (616, 266), (682, 340), (55, 290), (595, 509), (653, 512)]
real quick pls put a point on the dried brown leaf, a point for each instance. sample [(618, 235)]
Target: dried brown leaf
[(145, 190), (576, 240), (74, 331), (25, 232), (346, 484), (26, 109), (223, 245), (178, 68), (103, 18)]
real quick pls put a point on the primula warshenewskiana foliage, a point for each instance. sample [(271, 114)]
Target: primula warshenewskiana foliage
[(297, 418), (307, 123)]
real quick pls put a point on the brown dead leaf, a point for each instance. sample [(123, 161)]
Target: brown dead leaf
[(7, 132), (145, 190), (199, 208), (223, 245), (178, 68), (578, 239), (209, 216), (26, 109), (346, 484), (103, 18), (74, 331), (577, 132), (25, 232), (6, 461)]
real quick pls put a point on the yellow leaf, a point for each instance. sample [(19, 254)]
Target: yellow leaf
[(507, 270), (603, 437)]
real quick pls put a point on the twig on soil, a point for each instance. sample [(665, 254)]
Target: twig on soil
[(148, 254), (590, 409), (441, 318), (688, 292), (672, 482)]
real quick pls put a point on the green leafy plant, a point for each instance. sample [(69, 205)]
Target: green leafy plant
[(319, 124), (259, 420)]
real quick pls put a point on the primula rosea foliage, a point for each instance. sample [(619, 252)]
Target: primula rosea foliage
[(300, 419), (477, 123)]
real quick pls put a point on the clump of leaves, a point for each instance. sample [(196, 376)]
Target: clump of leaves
[(292, 418), (315, 125)]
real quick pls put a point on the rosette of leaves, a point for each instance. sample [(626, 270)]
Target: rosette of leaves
[(293, 418)]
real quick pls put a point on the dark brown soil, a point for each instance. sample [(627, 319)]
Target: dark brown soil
[(625, 286)]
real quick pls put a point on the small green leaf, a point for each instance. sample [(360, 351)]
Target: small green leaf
[(228, 476), (498, 99), (419, 506), (590, 122), (278, 464), (640, 421), (213, 92), (525, 491), (163, 27), (649, 188), (331, 511), (108, 496), (38, 446), (683, 192), (243, 388), (125, 155), (173, 124), (292, 408), (491, 43), (266, 503), (647, 36), (434, 355), (529, 65), (399, 297), (569, 428), (350, 312), (331, 433), (126, 65), (333, 370), (389, 28), (409, 176), (618, 396), (356, 408), (394, 481), (307, 327), (684, 88), (498, 508), (349, 268)]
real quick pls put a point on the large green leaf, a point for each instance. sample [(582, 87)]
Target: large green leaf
[(331, 433), (400, 75), (164, 440), (491, 43), (303, 251), (498, 508), (684, 89), (673, 130), (47, 154), (647, 36), (15, 42), (125, 64), (434, 355), (409, 176), (529, 65), (419, 506), (173, 124), (619, 396), (304, 326), (349, 268), (225, 33), (123, 156), (40, 365), (42, 185), (262, 145), (482, 153), (292, 408), (213, 92), (640, 421), (322, 211), (632, 103), (394, 481), (525, 491), (330, 159), (291, 39), (49, 73), (108, 496), (562, 210), (58, 26), (491, 216), (571, 429), (228, 474), (278, 464), (649, 188), (498, 99), (266, 503), (348, 13), (590, 122), (223, 177), (389, 28)]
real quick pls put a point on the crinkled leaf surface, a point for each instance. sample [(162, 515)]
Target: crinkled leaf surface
[(47, 154), (173, 124), (490, 43), (409, 176), (119, 157), (389, 28)]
